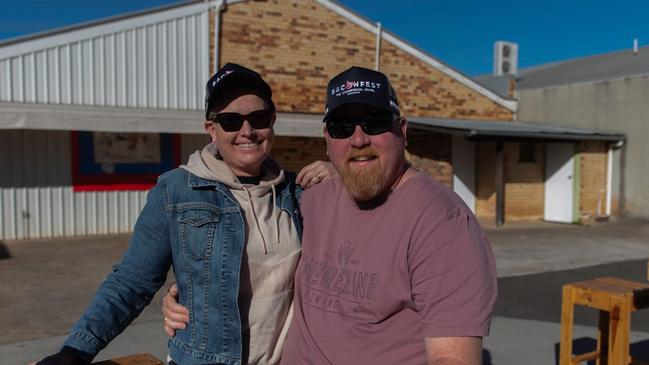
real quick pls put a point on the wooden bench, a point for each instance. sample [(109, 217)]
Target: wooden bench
[(615, 299), (139, 359)]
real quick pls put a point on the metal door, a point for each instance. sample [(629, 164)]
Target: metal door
[(559, 182)]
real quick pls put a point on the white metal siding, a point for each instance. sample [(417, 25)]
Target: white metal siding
[(157, 60), (160, 61), (36, 197)]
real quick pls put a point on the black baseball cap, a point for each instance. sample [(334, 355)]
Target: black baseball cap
[(358, 85), (232, 77)]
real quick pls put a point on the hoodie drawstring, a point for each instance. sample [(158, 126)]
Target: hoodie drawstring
[(275, 214), (254, 214), (275, 217)]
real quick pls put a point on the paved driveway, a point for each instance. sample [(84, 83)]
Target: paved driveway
[(530, 248), (46, 285)]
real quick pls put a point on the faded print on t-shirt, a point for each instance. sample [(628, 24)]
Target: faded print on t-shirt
[(371, 284)]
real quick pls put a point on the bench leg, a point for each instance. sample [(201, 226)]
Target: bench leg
[(602, 338), (567, 316), (619, 328)]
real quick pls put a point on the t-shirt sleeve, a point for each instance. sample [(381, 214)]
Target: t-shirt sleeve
[(453, 277), (305, 199)]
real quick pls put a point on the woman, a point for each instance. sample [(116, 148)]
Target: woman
[(228, 222)]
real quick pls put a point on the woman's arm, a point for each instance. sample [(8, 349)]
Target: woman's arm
[(128, 289)]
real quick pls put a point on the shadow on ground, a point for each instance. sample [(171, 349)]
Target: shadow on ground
[(638, 350), (538, 296), (4, 251), (486, 357)]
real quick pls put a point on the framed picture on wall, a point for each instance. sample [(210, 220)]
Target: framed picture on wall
[(106, 161)]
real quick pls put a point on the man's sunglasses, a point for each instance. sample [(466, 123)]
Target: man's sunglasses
[(232, 122), (344, 127)]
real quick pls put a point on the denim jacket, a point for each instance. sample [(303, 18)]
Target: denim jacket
[(196, 225)]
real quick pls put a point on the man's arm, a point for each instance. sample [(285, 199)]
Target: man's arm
[(454, 288), (176, 316), (454, 350)]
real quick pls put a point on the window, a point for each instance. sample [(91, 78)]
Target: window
[(526, 152)]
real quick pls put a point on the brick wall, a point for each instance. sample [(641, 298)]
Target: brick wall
[(426, 91), (293, 153), (431, 153), (524, 182), (298, 45), (592, 178)]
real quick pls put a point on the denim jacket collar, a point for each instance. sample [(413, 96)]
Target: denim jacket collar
[(194, 181), (198, 182)]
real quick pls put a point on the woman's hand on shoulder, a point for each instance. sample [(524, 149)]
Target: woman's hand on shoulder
[(315, 173)]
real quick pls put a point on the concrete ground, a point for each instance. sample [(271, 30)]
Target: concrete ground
[(48, 283), (529, 248)]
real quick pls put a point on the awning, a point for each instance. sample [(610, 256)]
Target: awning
[(109, 119), (500, 130)]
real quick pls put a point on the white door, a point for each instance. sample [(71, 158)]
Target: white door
[(463, 159), (559, 180)]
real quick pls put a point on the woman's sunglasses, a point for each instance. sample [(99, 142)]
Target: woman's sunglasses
[(232, 122), (340, 127)]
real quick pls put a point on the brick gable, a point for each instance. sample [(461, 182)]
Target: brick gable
[(298, 45)]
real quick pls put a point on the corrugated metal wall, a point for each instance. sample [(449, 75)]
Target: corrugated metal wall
[(36, 197), (36, 191), (156, 60), (160, 62)]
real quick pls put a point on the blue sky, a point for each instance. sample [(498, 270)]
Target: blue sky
[(460, 33)]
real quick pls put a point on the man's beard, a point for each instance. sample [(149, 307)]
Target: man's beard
[(363, 184)]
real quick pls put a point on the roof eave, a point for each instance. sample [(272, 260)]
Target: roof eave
[(476, 134)]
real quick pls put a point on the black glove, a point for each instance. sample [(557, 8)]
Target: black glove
[(67, 356)]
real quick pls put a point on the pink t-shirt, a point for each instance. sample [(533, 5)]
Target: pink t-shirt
[(371, 284)]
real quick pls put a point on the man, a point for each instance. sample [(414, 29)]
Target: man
[(394, 269)]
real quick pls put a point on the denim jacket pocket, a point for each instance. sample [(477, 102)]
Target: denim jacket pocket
[(197, 230)]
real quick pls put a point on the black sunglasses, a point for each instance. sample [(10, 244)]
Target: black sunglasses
[(344, 127), (232, 122)]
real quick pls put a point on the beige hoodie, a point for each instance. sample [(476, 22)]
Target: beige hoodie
[(272, 250)]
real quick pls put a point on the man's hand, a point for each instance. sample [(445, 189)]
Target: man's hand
[(176, 316), (314, 173), (454, 351)]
